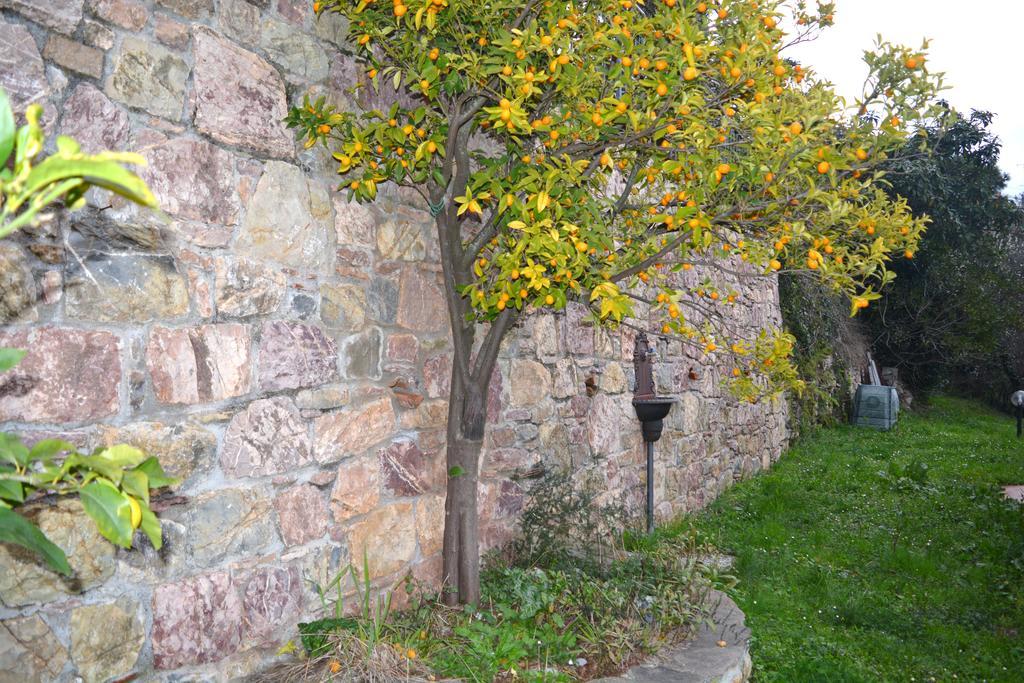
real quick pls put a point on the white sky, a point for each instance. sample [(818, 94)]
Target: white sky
[(979, 51)]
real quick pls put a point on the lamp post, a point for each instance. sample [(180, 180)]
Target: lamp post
[(650, 409)]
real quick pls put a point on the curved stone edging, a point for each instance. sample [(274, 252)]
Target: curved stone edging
[(702, 660)]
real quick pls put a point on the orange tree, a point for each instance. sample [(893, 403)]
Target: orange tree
[(586, 150)]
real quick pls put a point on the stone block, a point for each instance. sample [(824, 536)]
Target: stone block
[(29, 651), (196, 621), (149, 77), (357, 488), (226, 524), (18, 286), (240, 98), (351, 431), (94, 121), (294, 355), (62, 16), (292, 49), (183, 448), (421, 305), (70, 375), (26, 581), (343, 307), (530, 382), (361, 355), (386, 538), (74, 56), (190, 9), (271, 603), (400, 237), (302, 514), (199, 364), (408, 471), (288, 220), (22, 72), (246, 288), (125, 288), (382, 300), (128, 14), (193, 180), (106, 639), (430, 524), (171, 33), (268, 437)]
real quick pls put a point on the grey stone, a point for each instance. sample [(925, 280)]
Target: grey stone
[(149, 77), (246, 288), (240, 98), (229, 523), (183, 448), (106, 639), (125, 288), (190, 9), (288, 220), (361, 354), (240, 20), (302, 306), (382, 299), (29, 651), (17, 286), (60, 15), (343, 307), (25, 580), (294, 51)]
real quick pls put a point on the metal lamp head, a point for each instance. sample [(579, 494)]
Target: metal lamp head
[(1017, 399)]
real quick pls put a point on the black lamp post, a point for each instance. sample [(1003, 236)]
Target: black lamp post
[(651, 410)]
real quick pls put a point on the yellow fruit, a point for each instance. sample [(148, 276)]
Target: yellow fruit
[(549, 300), (136, 512), (400, 10), (796, 128), (862, 155), (690, 73)]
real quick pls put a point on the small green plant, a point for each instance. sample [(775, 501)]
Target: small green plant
[(28, 187)]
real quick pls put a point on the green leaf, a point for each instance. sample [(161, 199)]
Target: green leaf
[(10, 357), (12, 490), (17, 530), (105, 173), (103, 467), (122, 455), (13, 450), (151, 467), (6, 131), (137, 484), (455, 472), (111, 511), (47, 448), (151, 527)]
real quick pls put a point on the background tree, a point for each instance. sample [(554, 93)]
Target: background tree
[(587, 150), (956, 311)]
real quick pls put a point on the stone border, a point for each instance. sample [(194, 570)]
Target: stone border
[(702, 660)]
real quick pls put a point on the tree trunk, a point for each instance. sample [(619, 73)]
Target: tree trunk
[(467, 412)]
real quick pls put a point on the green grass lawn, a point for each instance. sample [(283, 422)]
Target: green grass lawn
[(856, 564)]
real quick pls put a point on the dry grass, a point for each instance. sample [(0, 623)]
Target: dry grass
[(350, 660)]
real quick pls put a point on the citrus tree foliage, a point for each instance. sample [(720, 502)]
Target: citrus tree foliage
[(586, 148), (113, 483)]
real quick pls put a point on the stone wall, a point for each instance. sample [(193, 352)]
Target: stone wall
[(282, 351)]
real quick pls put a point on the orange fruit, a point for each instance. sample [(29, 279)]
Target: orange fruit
[(824, 167)]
